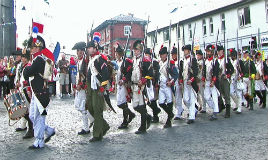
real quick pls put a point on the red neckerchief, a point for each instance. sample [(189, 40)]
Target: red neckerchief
[(188, 56), (210, 58), (221, 57), (97, 53)]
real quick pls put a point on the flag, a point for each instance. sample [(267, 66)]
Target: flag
[(46, 52), (56, 51), (39, 26)]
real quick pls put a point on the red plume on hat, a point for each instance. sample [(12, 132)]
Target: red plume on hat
[(231, 50), (161, 46), (212, 46)]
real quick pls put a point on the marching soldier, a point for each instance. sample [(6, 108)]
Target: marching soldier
[(97, 79), (236, 86), (152, 103), (177, 86), (141, 77), (80, 88), (201, 64), (36, 76), (168, 77), (226, 69), (261, 76), (123, 78), (210, 76), (188, 73), (19, 85), (248, 79)]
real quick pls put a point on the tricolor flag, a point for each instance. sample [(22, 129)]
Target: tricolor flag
[(39, 26)]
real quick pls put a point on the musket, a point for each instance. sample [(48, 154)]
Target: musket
[(125, 51), (216, 47), (191, 53), (237, 58), (169, 49), (178, 50), (225, 56), (144, 41), (91, 35)]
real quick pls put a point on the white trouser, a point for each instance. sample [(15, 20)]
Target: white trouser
[(236, 93), (137, 97), (39, 124), (121, 95), (259, 85), (79, 102), (178, 99), (201, 99), (23, 123), (211, 96), (247, 84), (150, 92), (189, 99), (165, 94)]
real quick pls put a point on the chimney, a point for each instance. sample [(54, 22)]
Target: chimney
[(130, 14)]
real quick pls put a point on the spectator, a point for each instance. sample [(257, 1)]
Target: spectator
[(2, 74), (11, 73), (52, 83), (64, 74), (73, 71)]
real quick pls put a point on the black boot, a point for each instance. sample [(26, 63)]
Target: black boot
[(131, 115), (264, 93), (30, 132), (227, 112), (259, 94), (142, 111), (125, 116), (125, 120), (251, 104), (156, 111), (168, 109), (221, 104)]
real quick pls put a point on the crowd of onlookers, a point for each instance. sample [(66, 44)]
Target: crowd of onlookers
[(64, 72)]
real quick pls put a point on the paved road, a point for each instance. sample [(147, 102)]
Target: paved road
[(242, 137)]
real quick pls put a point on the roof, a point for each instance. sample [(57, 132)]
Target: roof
[(119, 19), (207, 13)]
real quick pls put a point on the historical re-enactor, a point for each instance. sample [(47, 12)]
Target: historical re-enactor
[(236, 86), (80, 88), (187, 74), (210, 76), (97, 80), (177, 86), (156, 75), (249, 79), (168, 77), (226, 69), (261, 76), (123, 81), (19, 79), (35, 77), (141, 76)]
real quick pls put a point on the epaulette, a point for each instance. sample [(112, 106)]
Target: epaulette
[(129, 60), (104, 57), (172, 61), (147, 59)]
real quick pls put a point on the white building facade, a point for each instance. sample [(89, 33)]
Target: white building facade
[(247, 18)]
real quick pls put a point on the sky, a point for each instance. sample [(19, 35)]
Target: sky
[(67, 21)]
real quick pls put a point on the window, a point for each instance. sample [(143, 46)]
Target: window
[(211, 26), (127, 29), (204, 27), (244, 16), (223, 22), (153, 39), (266, 8), (166, 35), (190, 31)]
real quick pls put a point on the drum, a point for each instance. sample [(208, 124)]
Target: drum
[(16, 105)]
